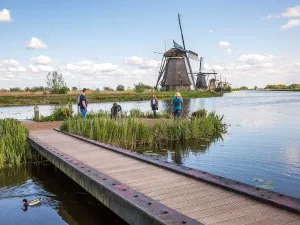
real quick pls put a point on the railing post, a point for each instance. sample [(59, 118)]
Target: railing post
[(36, 113)]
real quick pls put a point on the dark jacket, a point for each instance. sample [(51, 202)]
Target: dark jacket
[(114, 111)]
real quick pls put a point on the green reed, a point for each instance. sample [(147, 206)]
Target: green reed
[(132, 133), (14, 148)]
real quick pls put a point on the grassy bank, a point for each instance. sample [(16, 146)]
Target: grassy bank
[(132, 133), (282, 89), (14, 148), (93, 97)]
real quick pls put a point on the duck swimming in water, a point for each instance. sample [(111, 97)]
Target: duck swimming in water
[(32, 202)]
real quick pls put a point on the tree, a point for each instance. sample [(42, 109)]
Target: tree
[(120, 87), (15, 89), (255, 87), (107, 89), (56, 83), (140, 87), (74, 89)]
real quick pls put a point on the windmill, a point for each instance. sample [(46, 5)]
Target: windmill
[(175, 71), (222, 85), (201, 82)]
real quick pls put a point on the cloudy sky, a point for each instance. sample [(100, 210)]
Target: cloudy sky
[(104, 43)]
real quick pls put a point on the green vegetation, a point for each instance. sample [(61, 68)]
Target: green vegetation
[(140, 87), (120, 88), (134, 113), (59, 114), (21, 100), (14, 148), (107, 89), (133, 133), (56, 83), (295, 87), (227, 89)]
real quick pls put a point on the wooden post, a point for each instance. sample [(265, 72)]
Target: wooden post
[(78, 107), (36, 113)]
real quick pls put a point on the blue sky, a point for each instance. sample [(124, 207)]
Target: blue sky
[(103, 43)]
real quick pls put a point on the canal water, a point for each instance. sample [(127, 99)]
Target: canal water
[(261, 148), (63, 201)]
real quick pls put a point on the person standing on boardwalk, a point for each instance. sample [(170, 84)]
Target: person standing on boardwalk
[(83, 103), (154, 104), (177, 105)]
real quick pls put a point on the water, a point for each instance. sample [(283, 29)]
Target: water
[(63, 200), (262, 143)]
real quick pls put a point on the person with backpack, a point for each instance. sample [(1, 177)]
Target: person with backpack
[(83, 103), (177, 105), (154, 104)]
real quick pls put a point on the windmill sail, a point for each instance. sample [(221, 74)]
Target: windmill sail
[(193, 55), (178, 46)]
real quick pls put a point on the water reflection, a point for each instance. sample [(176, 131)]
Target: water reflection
[(63, 201)]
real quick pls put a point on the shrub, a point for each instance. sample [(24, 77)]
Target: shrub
[(199, 113), (120, 88), (140, 87), (58, 114)]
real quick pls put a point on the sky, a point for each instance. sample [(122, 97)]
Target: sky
[(96, 43)]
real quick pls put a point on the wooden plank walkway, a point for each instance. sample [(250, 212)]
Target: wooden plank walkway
[(200, 201)]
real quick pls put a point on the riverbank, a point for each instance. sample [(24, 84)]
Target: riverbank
[(15, 99), (281, 89)]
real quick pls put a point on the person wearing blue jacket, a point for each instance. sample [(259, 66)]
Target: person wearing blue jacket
[(177, 105)]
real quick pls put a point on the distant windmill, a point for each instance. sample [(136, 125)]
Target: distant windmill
[(175, 71), (201, 82), (221, 85)]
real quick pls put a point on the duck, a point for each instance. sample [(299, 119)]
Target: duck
[(32, 202)]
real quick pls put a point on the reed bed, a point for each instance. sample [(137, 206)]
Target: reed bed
[(14, 148), (134, 113), (132, 133)]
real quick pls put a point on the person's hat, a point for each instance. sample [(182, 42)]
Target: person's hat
[(177, 94)]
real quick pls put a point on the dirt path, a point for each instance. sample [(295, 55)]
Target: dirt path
[(36, 126)]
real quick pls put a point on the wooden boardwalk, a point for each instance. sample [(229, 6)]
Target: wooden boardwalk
[(200, 201)]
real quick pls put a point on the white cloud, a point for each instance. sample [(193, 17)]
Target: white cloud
[(35, 43), (292, 12), (11, 62), (224, 44), (142, 62), (90, 68), (10, 69), (41, 60), (256, 59), (5, 15), (40, 68), (229, 52), (271, 16), (210, 31), (291, 24)]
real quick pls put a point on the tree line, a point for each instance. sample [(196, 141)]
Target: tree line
[(282, 86), (57, 85)]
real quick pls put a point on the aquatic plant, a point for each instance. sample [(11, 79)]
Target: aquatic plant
[(14, 148), (59, 114), (132, 133), (199, 113)]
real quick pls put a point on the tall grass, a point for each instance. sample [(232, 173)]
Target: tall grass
[(133, 113), (14, 148), (132, 133)]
